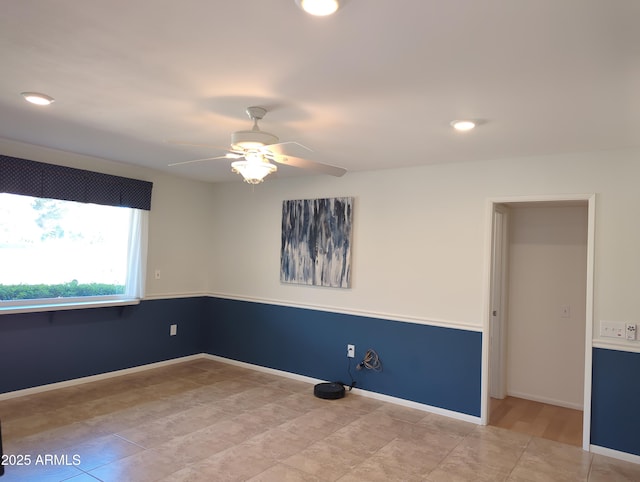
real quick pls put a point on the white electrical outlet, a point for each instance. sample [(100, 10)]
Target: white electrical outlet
[(173, 330), (351, 351), (631, 331)]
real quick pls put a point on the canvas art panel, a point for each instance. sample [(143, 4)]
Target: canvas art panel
[(316, 242)]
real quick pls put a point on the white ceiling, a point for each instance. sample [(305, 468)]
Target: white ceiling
[(372, 87)]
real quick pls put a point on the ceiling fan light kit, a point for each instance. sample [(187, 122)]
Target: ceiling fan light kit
[(319, 8), (253, 171), (255, 167)]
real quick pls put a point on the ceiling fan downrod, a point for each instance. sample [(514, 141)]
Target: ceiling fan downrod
[(255, 114)]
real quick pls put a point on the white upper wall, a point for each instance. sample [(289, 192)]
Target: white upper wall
[(420, 233)]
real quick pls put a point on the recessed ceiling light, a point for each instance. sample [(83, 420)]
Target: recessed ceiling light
[(37, 98), (319, 8), (463, 125)]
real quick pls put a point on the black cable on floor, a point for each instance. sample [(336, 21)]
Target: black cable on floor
[(353, 382)]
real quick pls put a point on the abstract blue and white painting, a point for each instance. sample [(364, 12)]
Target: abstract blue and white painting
[(316, 242)]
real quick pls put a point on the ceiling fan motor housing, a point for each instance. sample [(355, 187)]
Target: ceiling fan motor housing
[(252, 139)]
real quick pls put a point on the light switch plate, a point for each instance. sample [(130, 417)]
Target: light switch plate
[(613, 329)]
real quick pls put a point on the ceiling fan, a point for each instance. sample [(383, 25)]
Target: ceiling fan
[(255, 150)]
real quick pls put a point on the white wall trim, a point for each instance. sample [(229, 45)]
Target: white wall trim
[(95, 378), (588, 348), (272, 371), (459, 325), (615, 454), (419, 406), (171, 296), (615, 345), (68, 304), (456, 325), (542, 198), (355, 391), (550, 401), (486, 312)]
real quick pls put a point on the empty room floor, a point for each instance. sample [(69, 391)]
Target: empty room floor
[(203, 420)]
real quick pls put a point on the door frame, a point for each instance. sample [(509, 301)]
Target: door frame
[(486, 318)]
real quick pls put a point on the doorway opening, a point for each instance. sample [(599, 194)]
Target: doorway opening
[(539, 321)]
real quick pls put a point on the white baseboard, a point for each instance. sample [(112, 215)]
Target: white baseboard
[(419, 406), (355, 391), (95, 378), (615, 454), (273, 371), (550, 401)]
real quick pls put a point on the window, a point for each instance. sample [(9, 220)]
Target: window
[(54, 251), (83, 245)]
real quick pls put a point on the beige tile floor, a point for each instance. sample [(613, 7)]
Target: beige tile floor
[(204, 420)]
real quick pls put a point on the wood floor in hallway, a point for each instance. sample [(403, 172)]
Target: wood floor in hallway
[(550, 422)]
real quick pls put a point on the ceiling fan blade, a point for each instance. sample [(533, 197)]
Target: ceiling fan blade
[(226, 156), (310, 165), (279, 148)]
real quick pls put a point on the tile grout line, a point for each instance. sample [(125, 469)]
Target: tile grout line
[(462, 439), (130, 441), (524, 449), (590, 466)]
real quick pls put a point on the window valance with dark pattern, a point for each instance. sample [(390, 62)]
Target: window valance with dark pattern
[(39, 179)]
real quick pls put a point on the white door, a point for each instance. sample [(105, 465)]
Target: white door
[(498, 328)]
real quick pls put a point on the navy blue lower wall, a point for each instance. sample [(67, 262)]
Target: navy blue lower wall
[(436, 366), (615, 400), (42, 348)]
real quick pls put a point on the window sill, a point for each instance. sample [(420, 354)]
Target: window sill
[(72, 305)]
